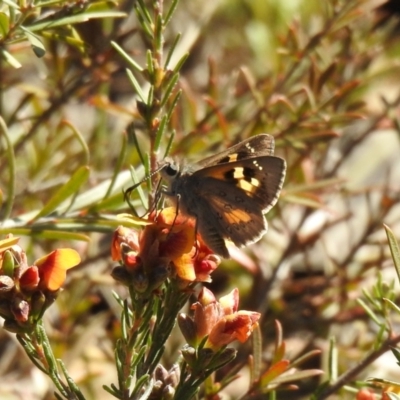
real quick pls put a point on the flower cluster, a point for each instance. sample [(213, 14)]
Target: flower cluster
[(26, 291), (217, 323), (167, 247)]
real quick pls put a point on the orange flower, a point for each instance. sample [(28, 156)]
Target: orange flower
[(237, 326), (123, 237), (165, 247), (27, 291), (219, 321), (53, 267)]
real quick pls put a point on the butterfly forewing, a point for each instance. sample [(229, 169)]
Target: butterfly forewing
[(255, 146), (259, 179)]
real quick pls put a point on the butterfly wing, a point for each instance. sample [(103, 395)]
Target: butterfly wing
[(260, 145), (259, 179), (231, 199), (228, 192), (226, 213)]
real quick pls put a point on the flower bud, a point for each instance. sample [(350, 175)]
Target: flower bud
[(188, 328), (6, 284), (20, 309), (189, 354), (8, 265), (38, 304)]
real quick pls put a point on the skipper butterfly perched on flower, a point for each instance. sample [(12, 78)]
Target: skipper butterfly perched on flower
[(228, 193)]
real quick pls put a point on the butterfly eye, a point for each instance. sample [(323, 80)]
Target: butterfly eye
[(171, 170)]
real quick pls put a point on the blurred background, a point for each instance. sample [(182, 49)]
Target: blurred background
[(322, 77)]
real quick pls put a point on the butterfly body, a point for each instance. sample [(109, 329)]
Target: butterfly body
[(228, 193)]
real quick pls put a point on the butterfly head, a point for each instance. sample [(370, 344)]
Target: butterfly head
[(169, 170)]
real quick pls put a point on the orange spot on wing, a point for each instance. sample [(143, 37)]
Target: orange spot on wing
[(236, 216), (230, 215)]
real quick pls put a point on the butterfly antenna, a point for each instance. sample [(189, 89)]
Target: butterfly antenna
[(157, 198), (127, 192)]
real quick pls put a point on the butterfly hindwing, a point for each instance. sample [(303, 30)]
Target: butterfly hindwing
[(229, 214)]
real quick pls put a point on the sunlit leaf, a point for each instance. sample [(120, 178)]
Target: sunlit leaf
[(67, 190), (4, 24), (41, 233), (75, 19), (10, 59), (37, 46), (8, 243), (299, 375)]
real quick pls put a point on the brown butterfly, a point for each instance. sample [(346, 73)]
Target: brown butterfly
[(228, 193)]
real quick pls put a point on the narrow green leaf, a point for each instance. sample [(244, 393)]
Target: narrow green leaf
[(158, 33), (396, 353), (139, 189), (170, 12), (150, 64), (118, 165), (160, 132), (369, 311), (73, 41), (10, 59), (78, 135), (174, 102), (136, 85), (76, 19), (171, 50), (112, 390), (392, 305), (46, 233), (126, 56), (333, 361), (171, 84), (180, 63), (69, 189), (298, 376), (169, 144), (394, 249), (100, 6), (37, 46), (303, 201), (4, 25), (304, 358), (141, 7), (11, 166), (147, 171), (11, 4), (71, 383)]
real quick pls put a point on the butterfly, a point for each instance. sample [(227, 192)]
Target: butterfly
[(229, 192)]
